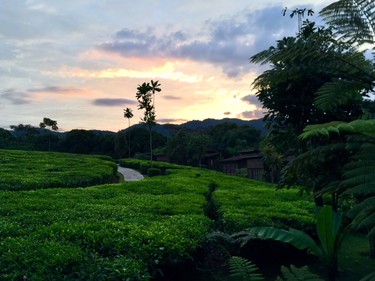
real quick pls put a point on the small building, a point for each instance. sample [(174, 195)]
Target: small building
[(249, 162), (211, 160), (161, 157)]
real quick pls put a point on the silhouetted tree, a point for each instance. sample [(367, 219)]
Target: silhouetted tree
[(128, 113), (154, 88), (79, 141), (145, 100), (49, 123)]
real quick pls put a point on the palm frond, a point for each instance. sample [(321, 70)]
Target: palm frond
[(244, 270), (297, 274)]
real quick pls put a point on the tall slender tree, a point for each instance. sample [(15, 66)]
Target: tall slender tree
[(144, 95), (128, 113)]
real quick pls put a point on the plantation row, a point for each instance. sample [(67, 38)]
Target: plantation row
[(128, 231), (20, 170)]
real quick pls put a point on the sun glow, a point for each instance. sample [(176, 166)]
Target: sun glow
[(166, 71)]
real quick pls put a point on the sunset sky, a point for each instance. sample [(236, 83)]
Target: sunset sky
[(80, 61)]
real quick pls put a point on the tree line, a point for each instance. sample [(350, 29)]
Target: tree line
[(186, 146)]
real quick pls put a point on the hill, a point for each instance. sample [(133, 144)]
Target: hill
[(197, 125)]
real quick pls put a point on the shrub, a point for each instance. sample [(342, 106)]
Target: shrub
[(152, 172), (143, 168)]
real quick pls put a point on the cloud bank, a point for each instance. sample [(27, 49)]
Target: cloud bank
[(227, 43), (113, 102)]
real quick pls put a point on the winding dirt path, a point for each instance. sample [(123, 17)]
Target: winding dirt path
[(129, 174)]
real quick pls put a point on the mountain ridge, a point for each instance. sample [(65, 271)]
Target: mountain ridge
[(196, 125)]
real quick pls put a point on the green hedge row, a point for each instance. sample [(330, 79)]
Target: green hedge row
[(99, 233), (142, 165), (131, 231), (245, 203), (127, 231), (242, 203), (27, 170)]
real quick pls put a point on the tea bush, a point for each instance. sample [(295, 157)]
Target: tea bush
[(245, 203), (127, 231), (153, 172), (26, 170)]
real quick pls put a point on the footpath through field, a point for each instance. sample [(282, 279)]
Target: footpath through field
[(129, 174)]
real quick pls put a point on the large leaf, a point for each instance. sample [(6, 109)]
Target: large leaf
[(328, 226), (295, 237)]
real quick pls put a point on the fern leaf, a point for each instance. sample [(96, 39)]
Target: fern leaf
[(361, 168), (365, 189), (361, 127), (360, 179), (367, 222), (325, 129), (353, 19), (369, 277), (364, 127), (297, 274), (367, 204), (244, 270), (361, 212), (338, 93)]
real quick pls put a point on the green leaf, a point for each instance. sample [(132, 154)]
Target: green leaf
[(295, 237), (328, 227)]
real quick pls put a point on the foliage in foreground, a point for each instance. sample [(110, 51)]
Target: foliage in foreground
[(244, 270), (330, 234)]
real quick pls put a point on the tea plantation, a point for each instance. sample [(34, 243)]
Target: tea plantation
[(25, 170), (126, 231)]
